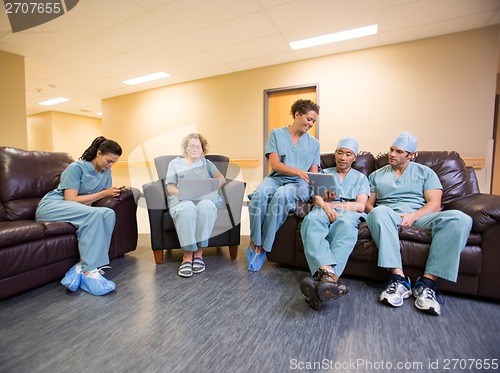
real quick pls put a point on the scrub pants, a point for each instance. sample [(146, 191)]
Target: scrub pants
[(194, 222), (94, 227), (269, 206), (450, 230), (327, 243)]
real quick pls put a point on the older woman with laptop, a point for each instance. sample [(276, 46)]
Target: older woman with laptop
[(192, 183)]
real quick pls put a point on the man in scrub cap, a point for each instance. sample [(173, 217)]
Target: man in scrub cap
[(330, 231), (405, 193)]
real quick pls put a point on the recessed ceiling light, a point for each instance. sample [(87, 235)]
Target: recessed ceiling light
[(335, 37), (54, 101), (99, 113), (146, 78)]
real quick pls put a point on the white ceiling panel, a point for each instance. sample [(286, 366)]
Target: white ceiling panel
[(83, 53), (241, 29), (134, 33), (189, 15), (251, 49)]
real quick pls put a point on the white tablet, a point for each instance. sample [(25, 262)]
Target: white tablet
[(321, 182), (197, 189)]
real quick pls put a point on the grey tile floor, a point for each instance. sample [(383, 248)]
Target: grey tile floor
[(230, 320)]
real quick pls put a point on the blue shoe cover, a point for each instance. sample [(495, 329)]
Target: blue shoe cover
[(250, 255), (72, 278), (95, 284), (257, 262)]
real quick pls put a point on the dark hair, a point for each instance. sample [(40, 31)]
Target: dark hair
[(203, 141), (104, 145), (303, 106)]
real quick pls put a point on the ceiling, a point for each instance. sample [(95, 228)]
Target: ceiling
[(85, 54)]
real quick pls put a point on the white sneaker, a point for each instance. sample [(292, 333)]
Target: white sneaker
[(425, 299), (395, 292)]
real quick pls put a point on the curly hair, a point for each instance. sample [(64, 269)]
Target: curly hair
[(101, 144), (303, 106), (185, 143)]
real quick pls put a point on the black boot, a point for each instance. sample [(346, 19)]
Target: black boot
[(309, 287), (330, 286)]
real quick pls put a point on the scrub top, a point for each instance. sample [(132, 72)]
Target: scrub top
[(405, 194), (302, 155), (354, 184), (82, 176)]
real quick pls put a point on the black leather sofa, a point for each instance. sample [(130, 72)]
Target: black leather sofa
[(480, 260), (34, 253)]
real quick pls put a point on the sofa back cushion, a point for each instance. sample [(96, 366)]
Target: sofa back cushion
[(365, 162), (448, 166), (25, 177)]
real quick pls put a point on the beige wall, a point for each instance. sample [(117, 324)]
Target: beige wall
[(441, 89), (12, 101), (56, 131)]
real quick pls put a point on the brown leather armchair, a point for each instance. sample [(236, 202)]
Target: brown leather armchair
[(227, 227), (479, 260), (34, 253)]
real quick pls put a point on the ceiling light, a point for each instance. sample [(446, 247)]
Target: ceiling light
[(146, 78), (332, 38), (99, 113), (54, 101)]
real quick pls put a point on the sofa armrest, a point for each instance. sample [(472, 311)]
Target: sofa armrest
[(113, 202), (233, 192), (155, 196), (125, 232), (303, 208), (156, 203), (484, 209)]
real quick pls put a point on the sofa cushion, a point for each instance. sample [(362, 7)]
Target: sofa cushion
[(14, 232), (56, 228), (25, 177)]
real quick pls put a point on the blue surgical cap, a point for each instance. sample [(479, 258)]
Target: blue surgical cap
[(406, 141), (349, 143)]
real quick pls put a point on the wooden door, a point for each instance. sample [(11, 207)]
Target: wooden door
[(277, 111)]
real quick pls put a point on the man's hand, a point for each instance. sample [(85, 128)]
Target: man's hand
[(330, 213), (329, 196), (408, 219)]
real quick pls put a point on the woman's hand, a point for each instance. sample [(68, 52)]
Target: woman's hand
[(303, 175), (88, 199), (112, 192)]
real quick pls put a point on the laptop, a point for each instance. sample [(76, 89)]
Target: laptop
[(197, 189), (321, 182)]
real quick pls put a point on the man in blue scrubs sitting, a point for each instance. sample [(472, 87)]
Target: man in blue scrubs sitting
[(330, 231), (405, 193)]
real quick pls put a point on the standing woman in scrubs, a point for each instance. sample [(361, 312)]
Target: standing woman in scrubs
[(292, 153), (82, 183), (193, 220)]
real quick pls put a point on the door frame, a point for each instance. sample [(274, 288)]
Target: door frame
[(267, 92)]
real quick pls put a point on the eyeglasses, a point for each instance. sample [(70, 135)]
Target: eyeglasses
[(194, 147)]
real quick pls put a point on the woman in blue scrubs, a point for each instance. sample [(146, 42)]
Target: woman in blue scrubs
[(292, 153), (82, 183), (193, 220)]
